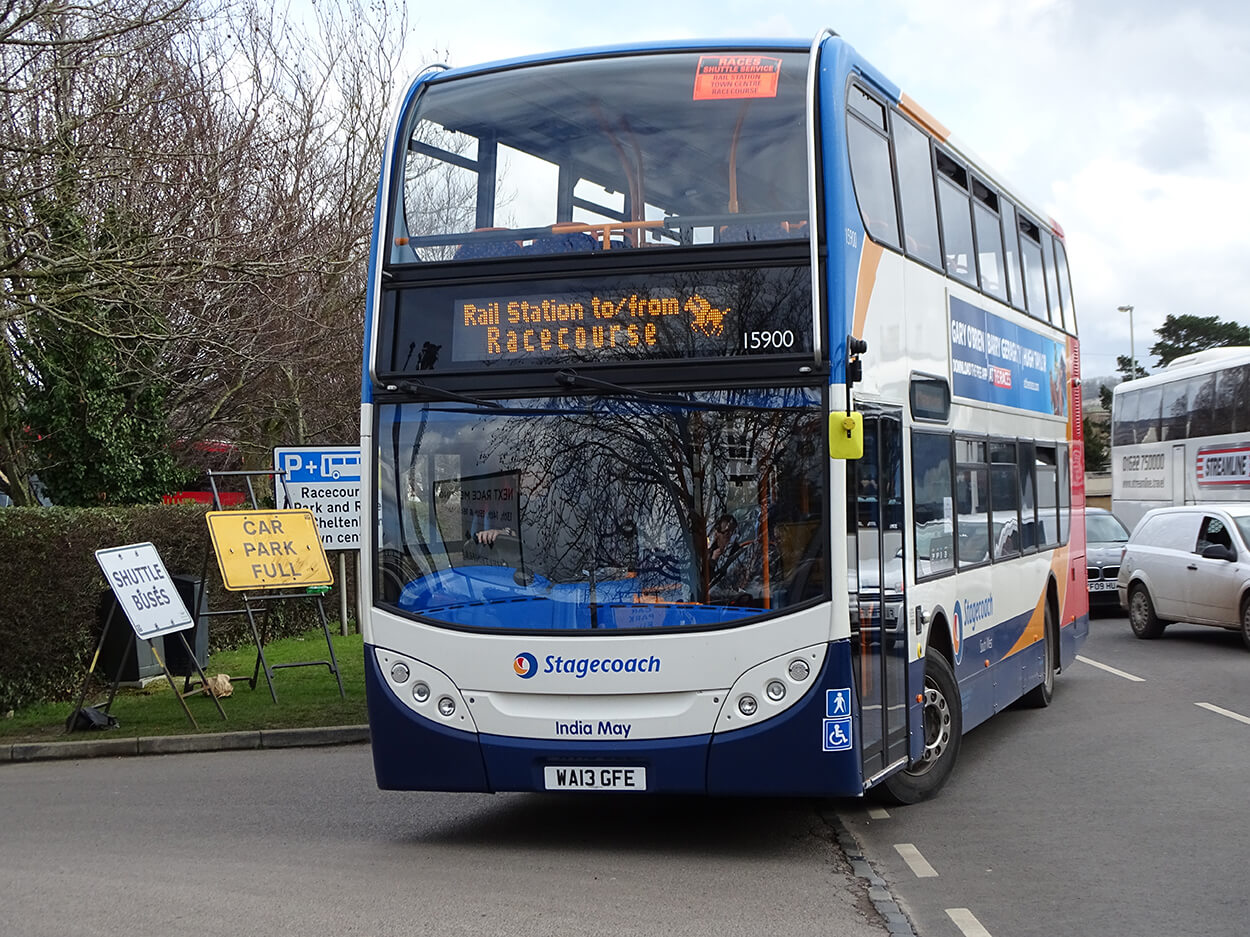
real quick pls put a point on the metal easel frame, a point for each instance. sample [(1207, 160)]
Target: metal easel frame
[(252, 600), (72, 722)]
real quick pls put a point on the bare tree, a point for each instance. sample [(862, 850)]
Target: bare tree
[(186, 191)]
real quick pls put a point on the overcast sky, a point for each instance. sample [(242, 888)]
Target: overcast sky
[(1129, 122)]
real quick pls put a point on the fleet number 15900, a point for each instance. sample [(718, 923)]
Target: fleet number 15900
[(765, 340)]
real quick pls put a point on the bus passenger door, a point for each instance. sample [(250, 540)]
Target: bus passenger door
[(1180, 494), (875, 550)]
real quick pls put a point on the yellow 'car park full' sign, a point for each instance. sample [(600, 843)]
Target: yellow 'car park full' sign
[(268, 549)]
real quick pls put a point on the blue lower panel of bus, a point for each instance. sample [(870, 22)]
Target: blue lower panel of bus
[(789, 755)]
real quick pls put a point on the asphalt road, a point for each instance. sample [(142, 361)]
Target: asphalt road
[(1117, 811), (299, 841), (1120, 810)]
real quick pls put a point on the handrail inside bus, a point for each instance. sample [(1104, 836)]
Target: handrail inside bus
[(669, 225)]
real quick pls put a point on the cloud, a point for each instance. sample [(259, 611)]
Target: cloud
[(1125, 121)]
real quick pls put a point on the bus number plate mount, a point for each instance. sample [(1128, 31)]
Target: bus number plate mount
[(594, 778)]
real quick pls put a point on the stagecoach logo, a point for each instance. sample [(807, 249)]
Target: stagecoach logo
[(525, 665), (957, 632), (966, 615)]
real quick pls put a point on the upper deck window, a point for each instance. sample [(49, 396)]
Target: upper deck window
[(989, 239), (869, 144), (655, 151), (1034, 277), (956, 219), (915, 192)]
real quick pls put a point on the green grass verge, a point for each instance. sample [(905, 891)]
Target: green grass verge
[(307, 697)]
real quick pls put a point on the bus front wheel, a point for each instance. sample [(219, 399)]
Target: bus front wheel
[(943, 730)]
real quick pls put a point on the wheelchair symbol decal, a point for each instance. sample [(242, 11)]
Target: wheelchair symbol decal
[(837, 735)]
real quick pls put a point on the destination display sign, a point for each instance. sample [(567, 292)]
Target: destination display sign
[(730, 77), (536, 326), (709, 314)]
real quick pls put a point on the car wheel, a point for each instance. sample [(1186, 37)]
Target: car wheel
[(1245, 622), (943, 731), (1141, 613), (1040, 696)]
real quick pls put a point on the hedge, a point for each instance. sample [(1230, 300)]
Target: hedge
[(51, 586)]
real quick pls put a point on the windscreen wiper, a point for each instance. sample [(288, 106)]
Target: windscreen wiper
[(426, 390), (571, 379)]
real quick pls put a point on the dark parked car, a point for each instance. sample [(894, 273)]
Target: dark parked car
[(1105, 538)]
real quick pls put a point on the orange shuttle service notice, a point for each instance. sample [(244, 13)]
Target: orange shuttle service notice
[(730, 77)]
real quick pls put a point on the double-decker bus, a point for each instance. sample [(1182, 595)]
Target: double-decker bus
[(722, 425), (1182, 435)]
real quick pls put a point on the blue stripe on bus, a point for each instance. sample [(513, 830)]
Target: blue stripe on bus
[(671, 45), (783, 756), (413, 754), (840, 208), (985, 690), (366, 386), (397, 149)]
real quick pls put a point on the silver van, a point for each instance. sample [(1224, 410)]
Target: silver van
[(1188, 564)]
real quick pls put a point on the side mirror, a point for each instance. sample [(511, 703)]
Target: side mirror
[(1218, 551)]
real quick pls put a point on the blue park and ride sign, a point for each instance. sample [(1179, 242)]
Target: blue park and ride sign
[(326, 481)]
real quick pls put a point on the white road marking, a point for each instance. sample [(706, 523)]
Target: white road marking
[(878, 813), (1224, 712), (915, 861), (967, 922), (1118, 673)]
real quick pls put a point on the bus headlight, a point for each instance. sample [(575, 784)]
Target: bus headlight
[(771, 687), (424, 691)]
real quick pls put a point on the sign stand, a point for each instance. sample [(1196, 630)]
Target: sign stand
[(145, 593), (259, 551)]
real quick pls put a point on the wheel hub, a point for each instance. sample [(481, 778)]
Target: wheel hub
[(937, 725)]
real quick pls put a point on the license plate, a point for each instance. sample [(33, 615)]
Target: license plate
[(1103, 585), (594, 778)]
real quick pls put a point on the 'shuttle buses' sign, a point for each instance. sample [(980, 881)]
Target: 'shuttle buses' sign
[(144, 590), (268, 549)]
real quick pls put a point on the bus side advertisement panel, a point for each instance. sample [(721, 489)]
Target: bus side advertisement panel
[(999, 362)]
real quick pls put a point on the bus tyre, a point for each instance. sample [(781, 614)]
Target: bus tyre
[(1141, 613), (1040, 696), (943, 731)]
